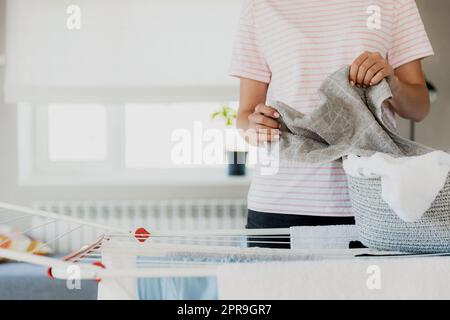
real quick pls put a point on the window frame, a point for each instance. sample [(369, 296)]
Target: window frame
[(36, 169)]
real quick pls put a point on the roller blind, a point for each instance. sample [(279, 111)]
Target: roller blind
[(130, 50)]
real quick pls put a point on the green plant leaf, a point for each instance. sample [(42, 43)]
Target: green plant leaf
[(226, 113), (215, 115)]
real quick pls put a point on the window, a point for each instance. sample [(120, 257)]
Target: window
[(185, 60), (77, 133), (152, 132), (135, 142)]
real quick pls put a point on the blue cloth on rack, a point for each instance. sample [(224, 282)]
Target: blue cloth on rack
[(180, 288), (177, 289)]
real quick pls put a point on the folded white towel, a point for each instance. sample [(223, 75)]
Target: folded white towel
[(409, 184)]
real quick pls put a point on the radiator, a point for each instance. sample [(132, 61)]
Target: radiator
[(153, 215)]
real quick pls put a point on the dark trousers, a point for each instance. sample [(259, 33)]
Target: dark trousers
[(263, 220)]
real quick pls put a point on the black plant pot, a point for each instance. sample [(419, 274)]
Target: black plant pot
[(236, 163)]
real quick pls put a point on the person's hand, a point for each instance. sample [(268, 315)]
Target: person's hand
[(264, 124), (369, 69)]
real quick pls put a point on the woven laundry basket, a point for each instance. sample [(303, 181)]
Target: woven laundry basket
[(380, 228)]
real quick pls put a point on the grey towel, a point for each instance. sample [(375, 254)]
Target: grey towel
[(348, 120)]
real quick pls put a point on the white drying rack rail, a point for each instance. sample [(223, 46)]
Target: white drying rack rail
[(156, 253)]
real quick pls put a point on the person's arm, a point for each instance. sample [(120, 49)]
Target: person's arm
[(253, 114), (411, 97), (410, 94)]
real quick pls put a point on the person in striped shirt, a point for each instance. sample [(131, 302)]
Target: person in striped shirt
[(283, 51)]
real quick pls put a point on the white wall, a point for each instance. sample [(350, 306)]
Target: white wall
[(435, 131), (9, 191)]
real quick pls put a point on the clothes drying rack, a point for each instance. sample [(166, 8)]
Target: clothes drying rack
[(155, 254)]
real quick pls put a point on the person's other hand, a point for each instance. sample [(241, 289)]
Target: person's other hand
[(264, 121)]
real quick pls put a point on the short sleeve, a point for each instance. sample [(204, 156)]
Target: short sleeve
[(410, 41), (247, 59)]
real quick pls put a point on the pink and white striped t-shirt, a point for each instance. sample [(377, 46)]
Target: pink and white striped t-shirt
[(294, 45)]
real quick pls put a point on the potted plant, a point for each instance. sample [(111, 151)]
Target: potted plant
[(236, 153)]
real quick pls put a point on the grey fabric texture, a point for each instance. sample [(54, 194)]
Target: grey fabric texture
[(349, 120)]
